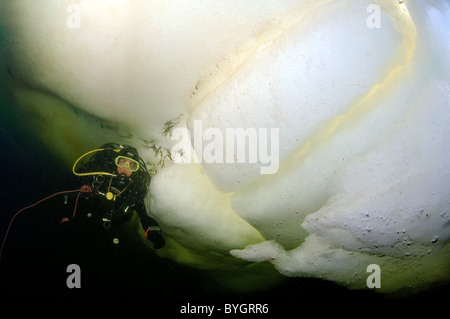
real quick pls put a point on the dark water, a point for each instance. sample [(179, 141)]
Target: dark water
[(39, 248)]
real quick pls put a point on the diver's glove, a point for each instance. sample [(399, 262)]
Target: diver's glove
[(155, 236), (153, 232)]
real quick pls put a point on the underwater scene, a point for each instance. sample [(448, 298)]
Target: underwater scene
[(225, 158)]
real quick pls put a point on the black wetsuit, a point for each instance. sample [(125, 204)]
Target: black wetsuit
[(113, 199)]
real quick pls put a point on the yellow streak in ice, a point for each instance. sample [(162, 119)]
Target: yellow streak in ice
[(368, 101)]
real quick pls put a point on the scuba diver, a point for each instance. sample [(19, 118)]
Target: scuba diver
[(116, 182)]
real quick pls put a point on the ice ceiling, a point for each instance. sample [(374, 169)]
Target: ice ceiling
[(359, 91)]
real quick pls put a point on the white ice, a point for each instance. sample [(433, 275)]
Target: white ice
[(359, 90)]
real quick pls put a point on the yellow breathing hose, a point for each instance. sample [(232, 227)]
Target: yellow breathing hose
[(91, 173)]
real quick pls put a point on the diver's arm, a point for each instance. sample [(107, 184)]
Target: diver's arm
[(146, 221), (150, 226)]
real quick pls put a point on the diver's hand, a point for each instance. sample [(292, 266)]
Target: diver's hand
[(155, 236)]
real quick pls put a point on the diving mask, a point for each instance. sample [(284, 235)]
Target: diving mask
[(122, 161)]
